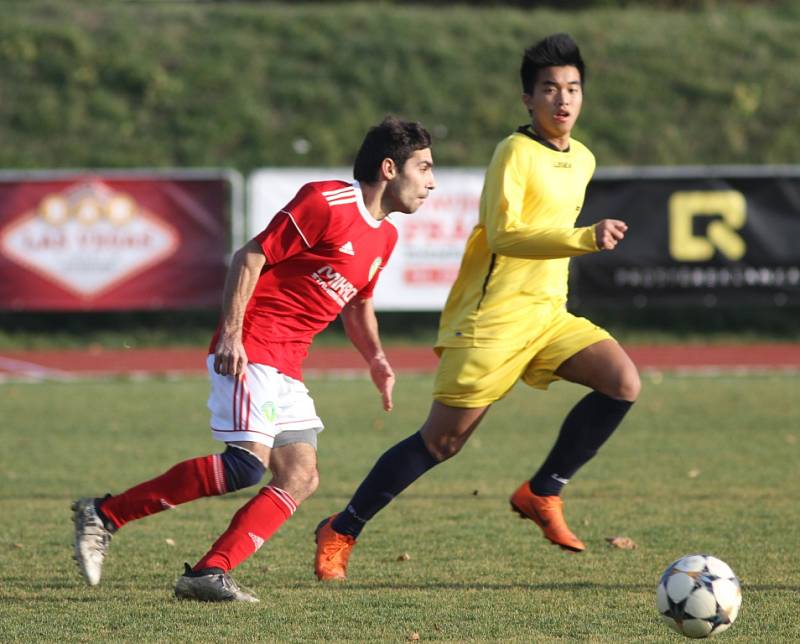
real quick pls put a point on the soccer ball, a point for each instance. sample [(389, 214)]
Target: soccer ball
[(698, 596)]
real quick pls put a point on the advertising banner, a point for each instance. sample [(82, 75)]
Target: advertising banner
[(697, 236), (430, 243), (113, 240)]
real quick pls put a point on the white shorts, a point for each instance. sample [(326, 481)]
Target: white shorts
[(258, 406)]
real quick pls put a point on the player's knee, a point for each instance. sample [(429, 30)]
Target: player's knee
[(311, 482), (242, 468), (628, 385), (300, 482), (444, 447)]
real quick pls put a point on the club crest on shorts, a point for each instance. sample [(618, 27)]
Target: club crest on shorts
[(270, 411), (376, 264)]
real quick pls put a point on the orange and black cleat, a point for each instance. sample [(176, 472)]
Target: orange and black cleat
[(333, 551), (546, 512)]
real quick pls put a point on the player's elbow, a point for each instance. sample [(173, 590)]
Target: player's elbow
[(251, 256), (495, 242)]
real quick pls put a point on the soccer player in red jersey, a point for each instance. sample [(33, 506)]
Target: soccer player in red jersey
[(319, 257)]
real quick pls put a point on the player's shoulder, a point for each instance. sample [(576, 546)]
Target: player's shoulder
[(334, 191), (508, 148), (519, 144), (326, 196), (579, 149), (513, 141)]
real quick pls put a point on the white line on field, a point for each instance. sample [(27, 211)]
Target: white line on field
[(33, 370)]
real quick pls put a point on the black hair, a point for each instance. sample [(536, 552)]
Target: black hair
[(392, 138), (557, 50)]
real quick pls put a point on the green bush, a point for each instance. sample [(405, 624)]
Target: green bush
[(240, 84)]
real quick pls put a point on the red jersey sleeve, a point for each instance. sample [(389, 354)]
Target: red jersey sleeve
[(366, 292), (297, 227)]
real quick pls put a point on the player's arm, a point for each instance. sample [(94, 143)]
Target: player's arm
[(509, 234), (246, 266), (361, 326), (530, 242)]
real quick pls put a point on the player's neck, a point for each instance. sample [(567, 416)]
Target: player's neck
[(559, 143), (373, 199)]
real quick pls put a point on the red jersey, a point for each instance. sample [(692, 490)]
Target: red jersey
[(323, 249)]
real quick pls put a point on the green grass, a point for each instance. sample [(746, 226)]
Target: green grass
[(475, 573)]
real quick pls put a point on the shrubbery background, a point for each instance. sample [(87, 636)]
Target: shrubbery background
[(260, 84)]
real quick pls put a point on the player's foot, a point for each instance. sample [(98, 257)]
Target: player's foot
[(546, 512), (91, 540), (333, 551), (211, 587)]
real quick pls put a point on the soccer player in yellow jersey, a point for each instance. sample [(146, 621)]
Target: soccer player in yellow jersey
[(506, 318)]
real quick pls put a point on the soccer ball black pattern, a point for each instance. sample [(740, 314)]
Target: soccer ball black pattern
[(698, 596)]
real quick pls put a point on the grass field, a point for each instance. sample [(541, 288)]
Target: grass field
[(701, 465)]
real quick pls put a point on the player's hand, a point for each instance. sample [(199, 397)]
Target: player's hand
[(609, 232), (382, 375), (230, 358)]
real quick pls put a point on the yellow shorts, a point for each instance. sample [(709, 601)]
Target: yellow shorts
[(479, 376)]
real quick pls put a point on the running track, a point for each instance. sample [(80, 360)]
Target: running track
[(94, 362)]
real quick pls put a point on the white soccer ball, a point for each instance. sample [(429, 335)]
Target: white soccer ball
[(698, 596)]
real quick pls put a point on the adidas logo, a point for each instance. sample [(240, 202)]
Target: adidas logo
[(257, 541), (347, 249)]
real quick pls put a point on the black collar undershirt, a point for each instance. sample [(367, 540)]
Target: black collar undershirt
[(528, 131)]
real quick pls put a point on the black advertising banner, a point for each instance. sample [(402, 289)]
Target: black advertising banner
[(703, 236)]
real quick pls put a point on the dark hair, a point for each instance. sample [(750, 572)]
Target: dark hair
[(394, 139), (557, 50)]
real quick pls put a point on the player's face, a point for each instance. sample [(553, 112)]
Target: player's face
[(555, 103), (409, 187)]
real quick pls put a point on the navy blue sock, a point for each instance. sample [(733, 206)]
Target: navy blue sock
[(590, 424), (394, 471)]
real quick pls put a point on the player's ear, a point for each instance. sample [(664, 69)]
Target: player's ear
[(527, 100), (388, 169)]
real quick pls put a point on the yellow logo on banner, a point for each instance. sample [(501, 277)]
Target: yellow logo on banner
[(721, 235)]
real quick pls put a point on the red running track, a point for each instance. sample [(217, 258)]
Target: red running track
[(97, 362)]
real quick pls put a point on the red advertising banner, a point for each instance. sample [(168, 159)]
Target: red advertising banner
[(113, 242)]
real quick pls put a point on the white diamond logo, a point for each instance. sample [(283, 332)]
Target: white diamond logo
[(88, 239)]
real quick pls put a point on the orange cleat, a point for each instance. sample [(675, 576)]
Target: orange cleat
[(333, 551), (546, 512)]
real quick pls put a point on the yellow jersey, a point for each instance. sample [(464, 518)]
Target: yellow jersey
[(514, 272)]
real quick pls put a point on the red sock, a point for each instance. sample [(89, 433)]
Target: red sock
[(250, 527), (187, 481)]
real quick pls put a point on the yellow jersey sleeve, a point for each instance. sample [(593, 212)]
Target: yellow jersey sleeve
[(530, 201)]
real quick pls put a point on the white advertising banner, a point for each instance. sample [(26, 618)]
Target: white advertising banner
[(430, 243)]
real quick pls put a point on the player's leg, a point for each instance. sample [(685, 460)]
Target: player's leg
[(211, 475), (467, 382), (294, 468), (583, 353), (234, 413), (97, 519), (442, 435), (293, 463), (605, 368)]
